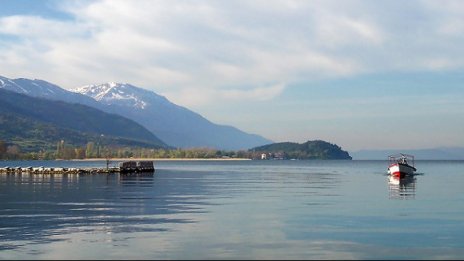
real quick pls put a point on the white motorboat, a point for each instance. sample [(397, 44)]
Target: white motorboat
[(401, 165)]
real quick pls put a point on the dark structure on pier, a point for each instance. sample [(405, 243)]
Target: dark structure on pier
[(136, 166)]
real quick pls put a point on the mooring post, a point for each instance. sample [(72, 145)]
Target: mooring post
[(107, 164)]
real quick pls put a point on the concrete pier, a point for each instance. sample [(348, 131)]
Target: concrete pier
[(127, 167), (43, 170)]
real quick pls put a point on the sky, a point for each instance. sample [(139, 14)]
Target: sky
[(362, 74)]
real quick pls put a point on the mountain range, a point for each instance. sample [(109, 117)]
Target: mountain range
[(175, 125), (37, 123), (43, 89)]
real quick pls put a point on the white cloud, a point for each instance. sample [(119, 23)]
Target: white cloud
[(194, 51), (260, 93), (38, 28), (198, 95)]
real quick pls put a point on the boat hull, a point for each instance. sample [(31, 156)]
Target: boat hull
[(400, 170)]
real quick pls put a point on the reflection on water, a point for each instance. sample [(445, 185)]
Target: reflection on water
[(402, 188), (42, 209), (234, 210), (137, 179)]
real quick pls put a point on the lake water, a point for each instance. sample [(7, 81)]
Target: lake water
[(235, 210)]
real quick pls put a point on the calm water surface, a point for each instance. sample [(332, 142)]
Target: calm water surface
[(235, 210)]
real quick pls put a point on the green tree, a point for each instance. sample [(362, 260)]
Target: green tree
[(60, 149), (89, 150), (80, 153), (13, 152), (68, 152)]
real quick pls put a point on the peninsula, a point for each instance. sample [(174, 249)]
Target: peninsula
[(315, 149)]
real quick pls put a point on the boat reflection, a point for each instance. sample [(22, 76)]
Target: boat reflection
[(140, 179), (402, 188)]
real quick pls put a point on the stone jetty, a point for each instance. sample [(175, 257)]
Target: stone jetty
[(127, 167)]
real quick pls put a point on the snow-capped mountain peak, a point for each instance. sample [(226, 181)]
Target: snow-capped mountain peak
[(44, 89), (121, 94), (11, 85), (35, 87)]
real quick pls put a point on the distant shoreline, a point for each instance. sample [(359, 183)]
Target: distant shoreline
[(162, 159)]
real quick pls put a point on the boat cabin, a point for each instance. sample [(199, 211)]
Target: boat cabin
[(402, 158)]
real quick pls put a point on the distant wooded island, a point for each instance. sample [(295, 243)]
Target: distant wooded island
[(315, 149)]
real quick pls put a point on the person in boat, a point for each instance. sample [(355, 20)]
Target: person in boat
[(403, 161)]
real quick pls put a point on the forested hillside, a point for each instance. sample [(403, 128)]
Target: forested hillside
[(316, 149)]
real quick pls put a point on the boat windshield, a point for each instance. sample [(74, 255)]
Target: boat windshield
[(401, 158)]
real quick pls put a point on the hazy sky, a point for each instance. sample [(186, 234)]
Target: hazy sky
[(362, 74)]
